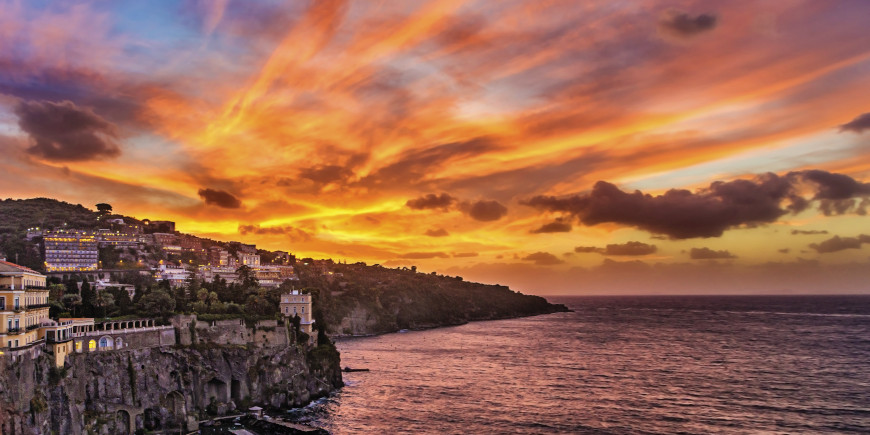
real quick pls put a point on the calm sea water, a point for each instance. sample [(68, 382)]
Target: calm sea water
[(618, 365)]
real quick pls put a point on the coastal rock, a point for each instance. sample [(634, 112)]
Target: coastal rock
[(158, 388)]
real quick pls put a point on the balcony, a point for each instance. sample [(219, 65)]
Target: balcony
[(35, 306), (32, 327), (27, 287), (13, 331)]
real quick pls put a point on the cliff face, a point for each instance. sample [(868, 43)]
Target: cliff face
[(158, 388)]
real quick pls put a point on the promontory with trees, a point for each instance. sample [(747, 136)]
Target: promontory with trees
[(348, 299)]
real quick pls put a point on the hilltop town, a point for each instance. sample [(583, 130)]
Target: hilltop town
[(87, 297)]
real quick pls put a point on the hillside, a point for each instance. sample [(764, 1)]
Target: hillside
[(349, 298), (357, 299)]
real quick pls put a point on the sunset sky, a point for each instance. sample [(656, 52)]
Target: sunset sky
[(505, 142)]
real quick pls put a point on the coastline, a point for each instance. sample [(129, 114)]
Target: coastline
[(343, 337)]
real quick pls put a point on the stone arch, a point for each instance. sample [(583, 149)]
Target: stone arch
[(119, 343), (216, 389), (123, 422), (92, 345), (176, 409), (106, 343)]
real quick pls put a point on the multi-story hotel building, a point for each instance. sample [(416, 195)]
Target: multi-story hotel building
[(70, 251), (23, 306), (115, 238)]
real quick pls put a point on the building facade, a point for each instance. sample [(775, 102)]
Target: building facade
[(295, 304), (176, 275), (70, 251), (23, 306)]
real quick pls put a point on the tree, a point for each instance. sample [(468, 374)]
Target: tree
[(181, 299), (104, 299), (157, 303), (88, 299), (104, 208), (72, 301), (122, 300), (56, 291), (247, 278)]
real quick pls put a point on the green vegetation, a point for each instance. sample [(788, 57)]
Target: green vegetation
[(404, 299), (38, 404)]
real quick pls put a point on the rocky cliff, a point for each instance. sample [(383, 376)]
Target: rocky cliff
[(156, 389)]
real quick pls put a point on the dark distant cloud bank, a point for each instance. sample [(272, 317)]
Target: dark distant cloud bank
[(219, 198), (709, 254), (431, 201), (482, 210), (543, 259), (838, 243), (626, 249), (683, 25), (560, 226), (857, 125), (66, 132), (709, 212)]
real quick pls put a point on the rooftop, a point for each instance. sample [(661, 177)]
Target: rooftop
[(6, 266)]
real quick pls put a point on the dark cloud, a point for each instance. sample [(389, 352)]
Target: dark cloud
[(683, 25), (219, 198), (464, 254), (326, 174), (65, 132), (783, 250), (430, 201), (560, 226), (630, 248), (808, 232), (708, 212), (838, 243), (423, 255), (543, 258), (709, 254), (833, 186), (857, 125), (486, 210), (295, 234), (440, 232), (586, 249)]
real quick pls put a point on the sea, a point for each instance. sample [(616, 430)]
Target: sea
[(617, 365)]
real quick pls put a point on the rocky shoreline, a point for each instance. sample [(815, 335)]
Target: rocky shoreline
[(158, 388)]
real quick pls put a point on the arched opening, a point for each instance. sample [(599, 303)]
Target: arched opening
[(176, 410), (151, 419), (121, 423), (92, 345), (119, 343), (236, 391), (106, 343), (216, 389)]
